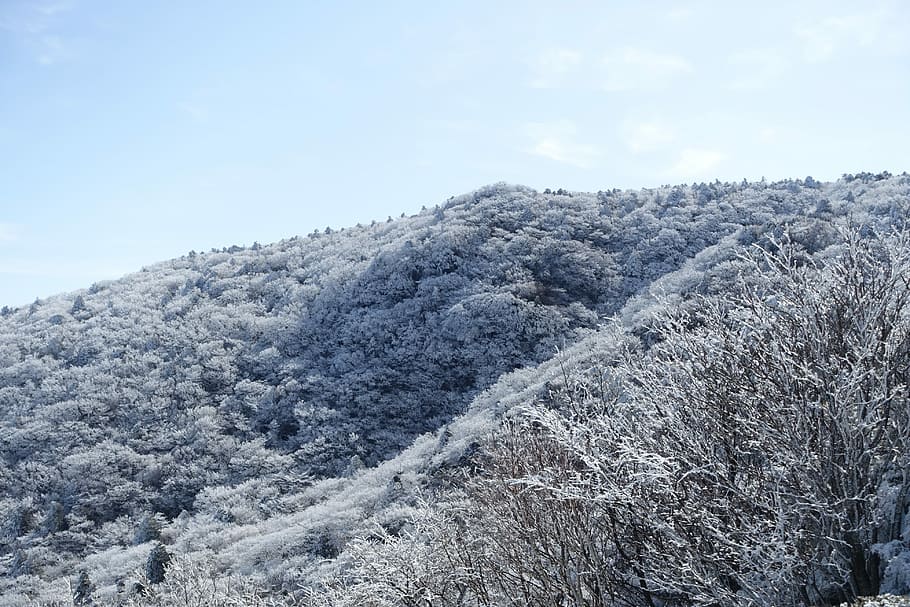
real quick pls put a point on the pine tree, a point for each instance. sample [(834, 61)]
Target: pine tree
[(157, 563)]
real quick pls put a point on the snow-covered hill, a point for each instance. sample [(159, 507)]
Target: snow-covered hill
[(258, 409)]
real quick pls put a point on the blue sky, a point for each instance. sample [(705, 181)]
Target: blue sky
[(132, 132)]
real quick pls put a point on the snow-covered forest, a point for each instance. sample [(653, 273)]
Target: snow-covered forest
[(687, 395)]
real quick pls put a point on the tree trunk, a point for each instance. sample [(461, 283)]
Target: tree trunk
[(864, 570)]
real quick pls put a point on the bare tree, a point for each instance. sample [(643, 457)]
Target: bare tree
[(758, 454)]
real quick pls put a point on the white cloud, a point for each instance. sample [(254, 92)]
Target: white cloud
[(34, 26), (879, 29), (553, 65), (556, 141), (678, 13), (769, 134), (631, 69), (647, 136), (567, 152), (756, 68), (695, 163), (54, 8)]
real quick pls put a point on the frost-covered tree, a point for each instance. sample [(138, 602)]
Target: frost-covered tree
[(417, 566), (758, 453), (197, 583), (222, 390)]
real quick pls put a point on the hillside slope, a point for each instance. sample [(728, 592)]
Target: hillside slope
[(227, 402)]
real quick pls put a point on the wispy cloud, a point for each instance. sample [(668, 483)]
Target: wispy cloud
[(647, 136), (769, 135), (632, 68), (874, 28), (756, 68), (678, 13), (557, 141), (35, 27), (553, 65), (50, 50), (53, 8), (695, 163)]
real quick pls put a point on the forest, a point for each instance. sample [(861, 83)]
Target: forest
[(688, 395)]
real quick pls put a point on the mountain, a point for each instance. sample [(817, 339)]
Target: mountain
[(254, 411)]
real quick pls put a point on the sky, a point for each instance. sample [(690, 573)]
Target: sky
[(133, 132)]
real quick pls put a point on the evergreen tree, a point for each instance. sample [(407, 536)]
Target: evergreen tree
[(157, 563)]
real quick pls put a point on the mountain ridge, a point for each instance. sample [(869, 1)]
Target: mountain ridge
[(231, 392)]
